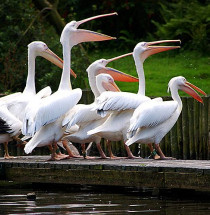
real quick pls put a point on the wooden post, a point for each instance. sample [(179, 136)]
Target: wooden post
[(190, 111), (185, 129), (205, 127), (174, 143), (179, 138)]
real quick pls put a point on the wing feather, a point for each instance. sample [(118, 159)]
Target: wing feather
[(82, 114), (8, 122), (50, 109), (151, 114), (111, 101)]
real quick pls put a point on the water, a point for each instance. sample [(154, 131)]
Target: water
[(88, 201)]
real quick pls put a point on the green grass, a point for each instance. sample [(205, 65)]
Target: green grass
[(160, 68)]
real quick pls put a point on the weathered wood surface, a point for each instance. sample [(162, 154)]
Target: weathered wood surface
[(139, 173)]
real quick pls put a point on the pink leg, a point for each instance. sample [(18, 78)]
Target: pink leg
[(153, 154), (70, 153), (112, 156), (101, 152), (6, 155), (130, 154), (84, 153), (162, 156)]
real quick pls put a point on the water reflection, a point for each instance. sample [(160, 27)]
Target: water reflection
[(14, 201)]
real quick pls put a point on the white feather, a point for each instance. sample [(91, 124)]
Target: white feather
[(49, 109), (110, 101)]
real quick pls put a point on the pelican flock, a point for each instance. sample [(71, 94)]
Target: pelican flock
[(52, 119)]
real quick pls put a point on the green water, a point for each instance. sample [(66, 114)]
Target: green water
[(100, 201)]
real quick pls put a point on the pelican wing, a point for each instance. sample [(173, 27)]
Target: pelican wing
[(8, 122), (151, 114), (45, 92), (111, 101), (49, 109), (10, 97), (83, 114)]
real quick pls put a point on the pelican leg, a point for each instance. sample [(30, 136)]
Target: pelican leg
[(130, 154), (101, 152), (153, 154), (70, 153), (53, 148), (19, 141), (6, 155), (112, 156), (84, 152), (162, 156), (59, 154)]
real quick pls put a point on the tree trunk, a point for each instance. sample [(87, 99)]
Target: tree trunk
[(52, 14)]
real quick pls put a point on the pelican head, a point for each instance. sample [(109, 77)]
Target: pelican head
[(76, 36), (145, 49), (182, 84), (105, 82), (39, 48), (99, 66)]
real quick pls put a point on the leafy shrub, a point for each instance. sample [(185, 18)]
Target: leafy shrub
[(188, 21)]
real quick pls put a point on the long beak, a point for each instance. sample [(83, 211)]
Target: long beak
[(151, 49), (121, 56), (95, 17), (188, 88), (87, 36), (110, 86), (53, 58), (116, 74)]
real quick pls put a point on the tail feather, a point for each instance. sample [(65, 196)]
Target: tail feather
[(91, 132), (129, 142), (29, 147)]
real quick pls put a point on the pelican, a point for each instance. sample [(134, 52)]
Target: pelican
[(152, 120), (82, 115), (122, 104), (13, 105), (45, 120)]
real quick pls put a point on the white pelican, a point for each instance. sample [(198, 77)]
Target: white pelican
[(124, 103), (47, 116), (152, 120), (82, 115), (13, 105)]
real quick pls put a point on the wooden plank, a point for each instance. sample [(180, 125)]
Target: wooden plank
[(205, 130), (174, 142), (185, 129), (196, 128), (190, 111), (179, 138)]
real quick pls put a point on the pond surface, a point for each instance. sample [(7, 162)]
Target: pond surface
[(88, 201)]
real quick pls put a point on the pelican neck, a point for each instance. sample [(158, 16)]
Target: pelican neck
[(175, 96), (30, 81), (92, 83), (65, 83), (140, 72)]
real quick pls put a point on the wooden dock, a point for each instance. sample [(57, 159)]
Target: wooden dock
[(136, 173)]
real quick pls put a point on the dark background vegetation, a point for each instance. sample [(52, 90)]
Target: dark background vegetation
[(23, 21)]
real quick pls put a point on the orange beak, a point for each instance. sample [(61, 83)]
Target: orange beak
[(116, 74), (110, 86), (87, 36), (151, 49), (188, 88), (53, 58)]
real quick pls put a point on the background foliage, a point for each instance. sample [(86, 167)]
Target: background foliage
[(23, 21)]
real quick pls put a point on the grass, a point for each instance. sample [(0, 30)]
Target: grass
[(160, 68)]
